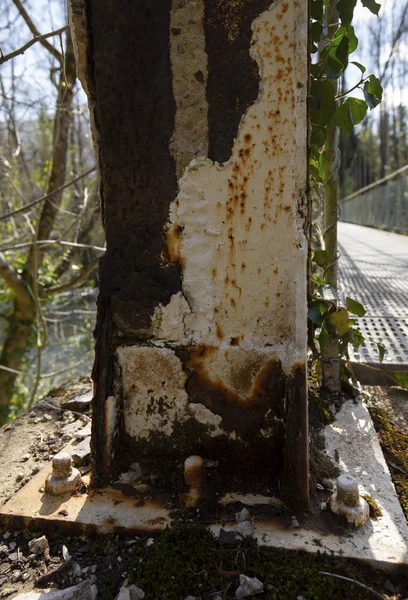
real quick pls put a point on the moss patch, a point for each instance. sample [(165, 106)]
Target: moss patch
[(394, 444), (375, 509), (188, 561), (320, 408)]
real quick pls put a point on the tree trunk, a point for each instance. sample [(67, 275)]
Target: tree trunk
[(330, 358), (17, 341), (15, 346), (62, 124), (384, 141)]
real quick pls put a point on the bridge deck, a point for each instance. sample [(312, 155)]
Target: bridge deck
[(373, 269)]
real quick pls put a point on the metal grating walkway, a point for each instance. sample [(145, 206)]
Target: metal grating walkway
[(373, 269)]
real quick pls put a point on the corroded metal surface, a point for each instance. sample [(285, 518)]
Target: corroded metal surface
[(108, 510), (201, 333), (383, 541)]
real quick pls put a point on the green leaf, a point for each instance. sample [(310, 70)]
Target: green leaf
[(335, 53), (318, 280), (357, 338), (323, 340), (316, 70), (353, 40), (355, 307), (314, 313), (359, 65), (316, 10), (345, 8), (341, 321), (322, 102), (381, 350), (322, 165), (401, 378), (345, 31), (321, 257), (314, 170), (342, 51), (351, 112), (373, 91), (372, 6), (319, 135), (316, 29)]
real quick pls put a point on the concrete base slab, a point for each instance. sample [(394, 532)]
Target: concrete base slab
[(351, 438)]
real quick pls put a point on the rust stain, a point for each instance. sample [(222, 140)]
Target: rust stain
[(261, 388), (156, 521), (284, 10), (173, 237), (220, 333)]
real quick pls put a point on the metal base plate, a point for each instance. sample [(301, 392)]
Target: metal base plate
[(351, 438)]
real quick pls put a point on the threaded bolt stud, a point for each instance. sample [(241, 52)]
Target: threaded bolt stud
[(194, 476)]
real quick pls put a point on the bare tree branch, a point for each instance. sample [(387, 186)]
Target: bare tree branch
[(56, 54), (43, 198), (12, 279), (398, 34), (74, 282), (28, 45), (50, 243)]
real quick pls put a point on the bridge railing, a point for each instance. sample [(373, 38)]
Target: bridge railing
[(382, 204)]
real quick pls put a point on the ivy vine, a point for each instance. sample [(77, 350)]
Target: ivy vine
[(332, 44)]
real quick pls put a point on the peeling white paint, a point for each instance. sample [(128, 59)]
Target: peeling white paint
[(243, 249), (169, 321), (153, 388), (237, 230), (204, 416)]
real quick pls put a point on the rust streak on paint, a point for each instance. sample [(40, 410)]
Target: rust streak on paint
[(174, 242), (261, 386)]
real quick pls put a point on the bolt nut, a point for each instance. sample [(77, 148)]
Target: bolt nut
[(64, 478), (62, 465), (347, 502), (194, 476), (347, 490)]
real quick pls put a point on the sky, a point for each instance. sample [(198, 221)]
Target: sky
[(388, 19), (31, 70)]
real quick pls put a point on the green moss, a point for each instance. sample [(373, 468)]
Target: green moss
[(320, 409), (394, 444), (188, 561), (401, 486), (176, 563), (375, 509)]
